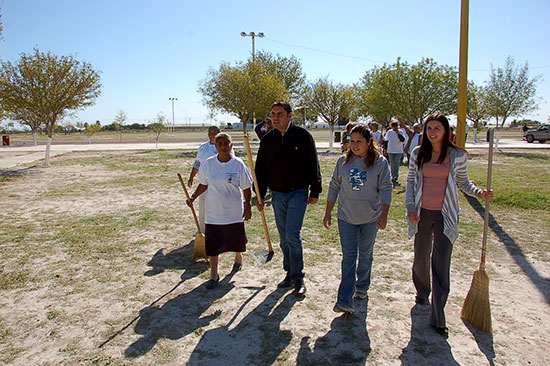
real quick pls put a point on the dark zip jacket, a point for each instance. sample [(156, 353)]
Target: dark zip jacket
[(288, 162)]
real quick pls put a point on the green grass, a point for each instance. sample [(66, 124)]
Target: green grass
[(525, 200)]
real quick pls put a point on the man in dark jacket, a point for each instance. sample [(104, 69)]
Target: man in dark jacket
[(287, 163)]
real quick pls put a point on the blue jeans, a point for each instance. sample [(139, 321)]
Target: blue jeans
[(395, 160), (290, 209), (354, 239)]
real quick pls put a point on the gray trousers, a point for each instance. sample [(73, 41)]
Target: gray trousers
[(431, 222)]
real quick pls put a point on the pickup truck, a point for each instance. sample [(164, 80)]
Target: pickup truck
[(541, 134)]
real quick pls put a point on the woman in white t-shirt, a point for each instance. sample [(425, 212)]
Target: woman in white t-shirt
[(225, 179)]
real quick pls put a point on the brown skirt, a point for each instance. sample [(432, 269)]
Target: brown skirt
[(225, 238)]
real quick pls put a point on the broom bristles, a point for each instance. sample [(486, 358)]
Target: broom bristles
[(476, 308), (199, 250)]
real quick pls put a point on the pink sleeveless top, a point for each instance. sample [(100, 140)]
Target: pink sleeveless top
[(434, 177)]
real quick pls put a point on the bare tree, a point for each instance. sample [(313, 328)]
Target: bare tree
[(510, 92), (477, 109), (157, 126), (119, 121)]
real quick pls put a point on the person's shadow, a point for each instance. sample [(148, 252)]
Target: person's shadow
[(425, 346), (516, 252), (177, 259), (178, 317), (346, 343), (256, 340)]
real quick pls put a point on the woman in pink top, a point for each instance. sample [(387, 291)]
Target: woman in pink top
[(436, 168)]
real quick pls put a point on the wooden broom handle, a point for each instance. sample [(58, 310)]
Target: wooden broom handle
[(487, 202), (253, 172), (192, 208)]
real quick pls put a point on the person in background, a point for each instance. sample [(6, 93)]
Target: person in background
[(436, 168), (287, 164), (524, 129), (344, 143), (206, 150), (362, 183), (376, 134), (225, 179), (407, 133), (415, 140), (453, 135), (263, 127), (396, 141)]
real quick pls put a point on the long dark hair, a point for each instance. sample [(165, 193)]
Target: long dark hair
[(373, 154), (425, 152)]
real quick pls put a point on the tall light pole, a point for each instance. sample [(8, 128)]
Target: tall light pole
[(462, 75), (173, 123), (253, 35)]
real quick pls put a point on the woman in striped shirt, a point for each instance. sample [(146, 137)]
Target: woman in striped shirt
[(436, 168)]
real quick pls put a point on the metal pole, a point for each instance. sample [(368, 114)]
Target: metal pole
[(253, 35), (253, 49), (462, 77), (173, 123)]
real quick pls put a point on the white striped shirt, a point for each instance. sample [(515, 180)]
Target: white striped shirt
[(458, 175)]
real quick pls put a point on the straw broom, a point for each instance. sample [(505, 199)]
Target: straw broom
[(476, 308), (199, 250)]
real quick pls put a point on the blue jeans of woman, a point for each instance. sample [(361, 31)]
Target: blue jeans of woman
[(357, 241), (290, 209)]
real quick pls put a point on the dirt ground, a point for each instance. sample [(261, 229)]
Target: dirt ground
[(136, 297)]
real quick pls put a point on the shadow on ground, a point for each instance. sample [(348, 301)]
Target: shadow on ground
[(15, 173), (256, 340), (541, 283), (180, 258), (177, 259), (484, 342), (346, 343), (178, 317), (425, 346)]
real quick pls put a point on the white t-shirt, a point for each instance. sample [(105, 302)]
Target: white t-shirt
[(395, 146), (415, 141), (206, 150), (224, 201), (377, 136), (403, 132)]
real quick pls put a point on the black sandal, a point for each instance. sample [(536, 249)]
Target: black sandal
[(212, 284)]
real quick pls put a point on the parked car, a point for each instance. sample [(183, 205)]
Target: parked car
[(541, 134)]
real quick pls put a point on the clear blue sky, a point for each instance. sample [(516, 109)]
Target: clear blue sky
[(149, 51)]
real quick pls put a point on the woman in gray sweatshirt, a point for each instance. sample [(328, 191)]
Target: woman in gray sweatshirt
[(362, 183)]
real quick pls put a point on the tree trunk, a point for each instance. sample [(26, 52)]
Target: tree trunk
[(47, 158), (475, 135), (498, 132), (49, 130), (34, 137), (331, 138)]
